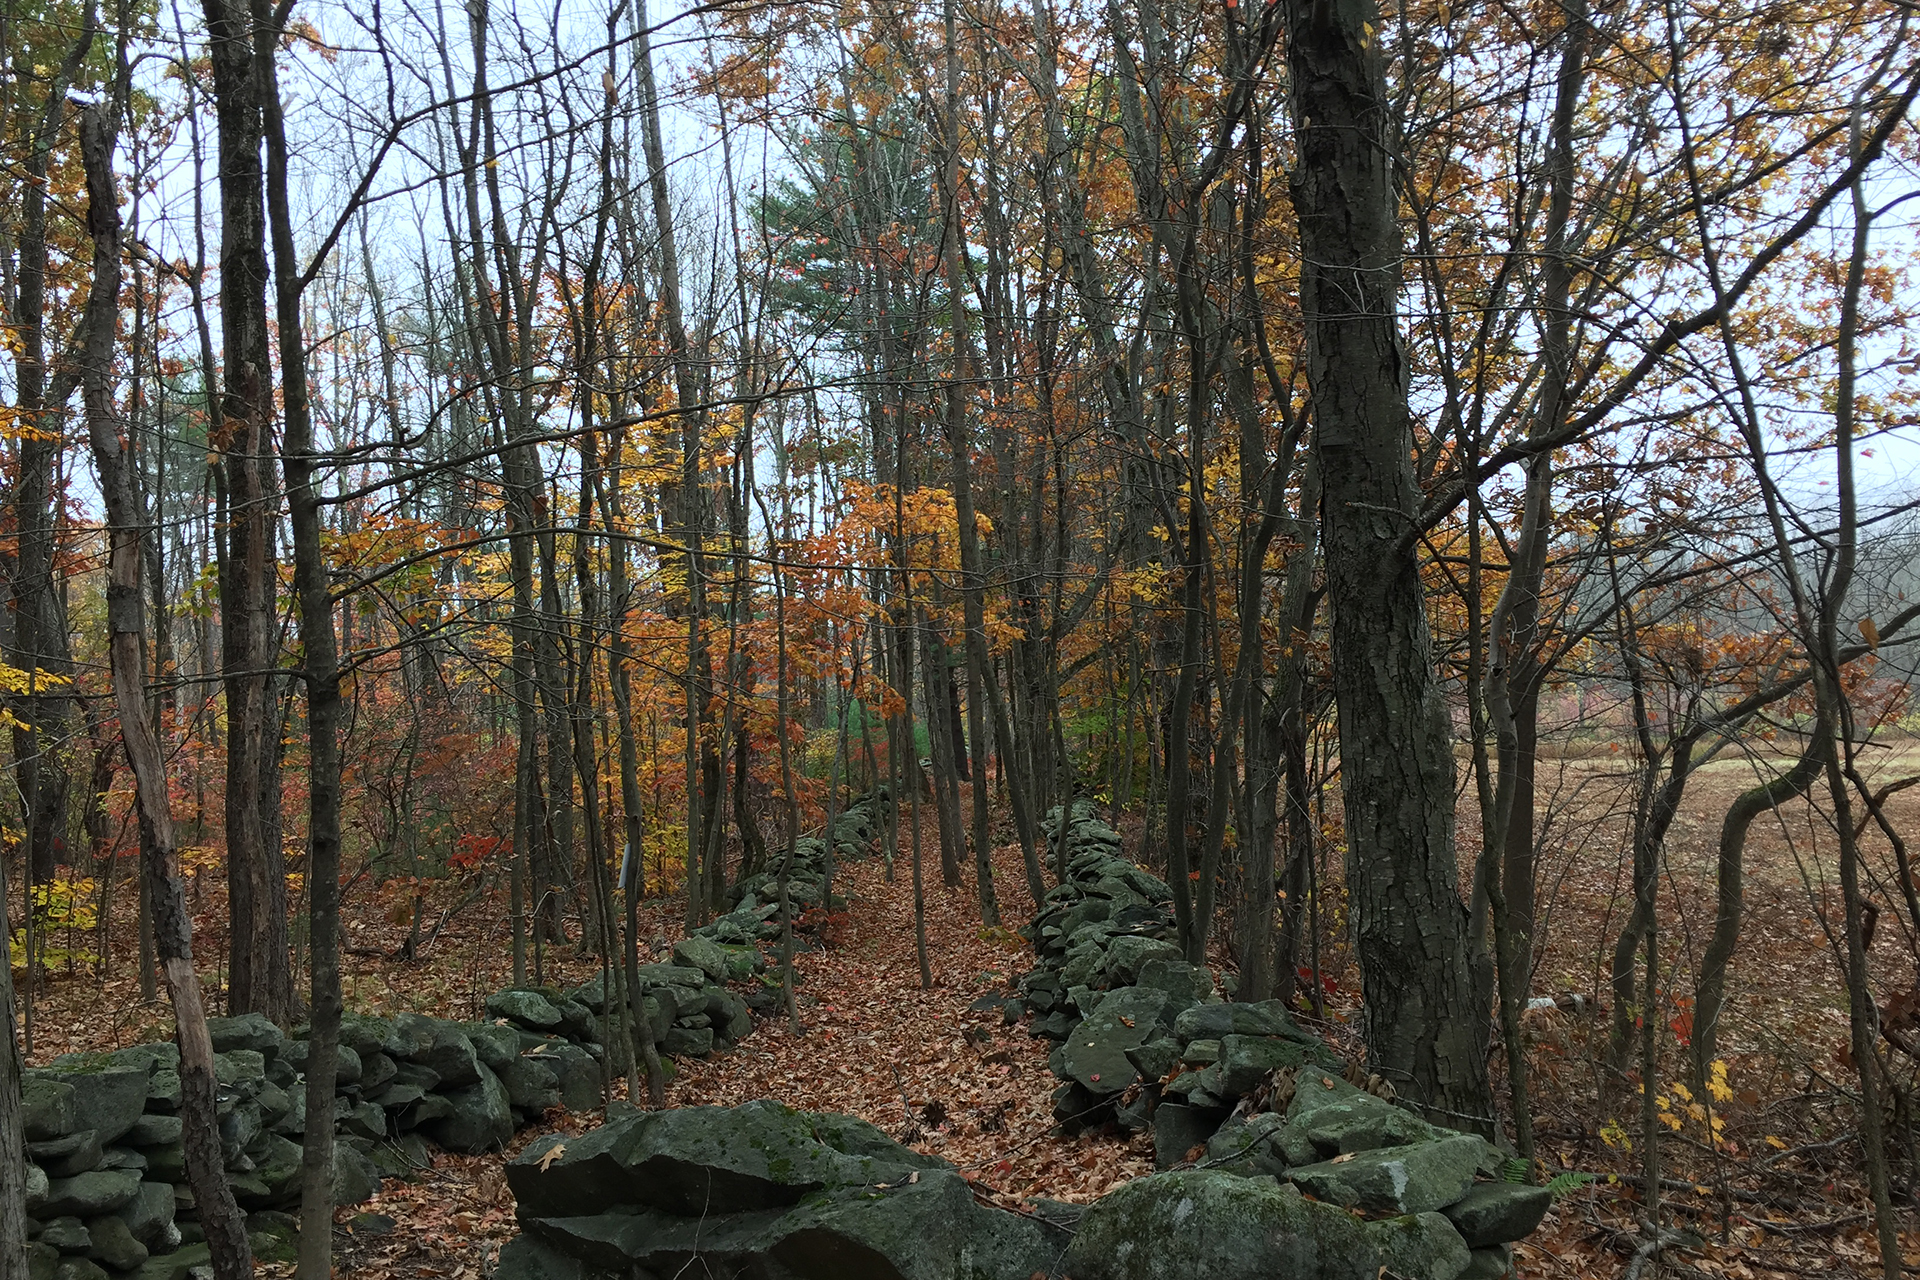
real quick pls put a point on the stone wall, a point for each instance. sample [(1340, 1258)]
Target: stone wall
[(106, 1178), (1274, 1163), (106, 1173), (754, 916)]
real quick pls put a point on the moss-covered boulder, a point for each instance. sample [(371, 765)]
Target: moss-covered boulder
[(1207, 1223)]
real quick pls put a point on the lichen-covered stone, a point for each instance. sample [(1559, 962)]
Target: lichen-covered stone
[(1421, 1246)]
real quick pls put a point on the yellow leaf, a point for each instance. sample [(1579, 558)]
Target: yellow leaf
[(553, 1153), (1870, 633), (1775, 1143)]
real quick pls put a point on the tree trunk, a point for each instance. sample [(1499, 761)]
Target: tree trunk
[(260, 978), (221, 1218), (1396, 758), (302, 463)]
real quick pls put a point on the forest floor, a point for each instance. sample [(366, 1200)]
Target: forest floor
[(1779, 1196)]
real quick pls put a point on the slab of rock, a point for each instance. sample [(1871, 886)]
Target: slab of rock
[(1411, 1179), (690, 1160), (64, 1157), (1205, 1223), (1499, 1213), (88, 1195), (106, 1098), (1421, 1246), (1096, 1052)]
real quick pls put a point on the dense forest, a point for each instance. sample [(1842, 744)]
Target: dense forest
[(1437, 479)]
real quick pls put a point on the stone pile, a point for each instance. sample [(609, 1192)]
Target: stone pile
[(687, 1003), (1144, 1037), (1235, 1091), (106, 1176), (1274, 1164), (755, 913)]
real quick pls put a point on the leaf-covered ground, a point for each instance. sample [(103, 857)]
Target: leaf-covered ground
[(925, 1066)]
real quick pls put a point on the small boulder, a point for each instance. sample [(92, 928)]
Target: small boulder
[(68, 1235), (48, 1107), (451, 1057), (114, 1245), (153, 1131), (178, 1265), (148, 1215), (253, 1031), (529, 1009), (493, 1044), (1499, 1213), (355, 1177), (481, 1116), (1177, 1130), (529, 1258), (1495, 1262), (106, 1098), (531, 1084), (689, 1042), (1246, 1060)]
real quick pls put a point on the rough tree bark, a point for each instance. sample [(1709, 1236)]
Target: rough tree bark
[(261, 980), (1396, 758)]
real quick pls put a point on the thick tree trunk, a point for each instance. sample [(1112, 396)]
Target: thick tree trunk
[(260, 978), (1395, 751)]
